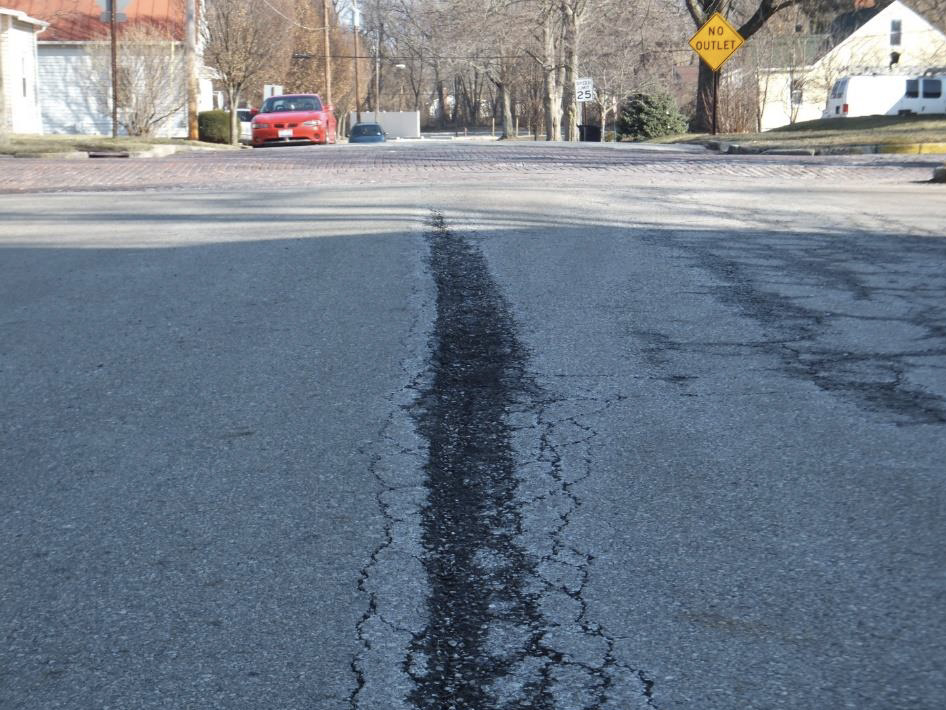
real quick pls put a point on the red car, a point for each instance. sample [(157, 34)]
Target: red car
[(293, 118)]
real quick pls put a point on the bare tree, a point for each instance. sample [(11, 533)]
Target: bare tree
[(151, 79), (533, 50), (548, 55), (245, 40)]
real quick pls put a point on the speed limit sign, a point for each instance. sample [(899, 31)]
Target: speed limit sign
[(584, 90)]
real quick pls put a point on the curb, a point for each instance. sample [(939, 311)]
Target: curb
[(874, 149), (914, 148), (65, 155), (156, 151)]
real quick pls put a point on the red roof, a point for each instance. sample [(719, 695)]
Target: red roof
[(78, 20)]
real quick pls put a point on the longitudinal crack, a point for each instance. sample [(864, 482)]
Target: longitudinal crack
[(475, 569), (507, 627)]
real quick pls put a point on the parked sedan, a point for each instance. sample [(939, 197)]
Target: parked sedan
[(293, 118), (367, 133)]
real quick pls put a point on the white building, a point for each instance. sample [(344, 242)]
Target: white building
[(73, 66), (19, 104), (896, 40)]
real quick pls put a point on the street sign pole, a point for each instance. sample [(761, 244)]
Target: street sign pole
[(716, 102)]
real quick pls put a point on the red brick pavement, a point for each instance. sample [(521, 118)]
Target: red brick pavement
[(419, 163)]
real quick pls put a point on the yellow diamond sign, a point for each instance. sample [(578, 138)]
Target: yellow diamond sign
[(716, 41)]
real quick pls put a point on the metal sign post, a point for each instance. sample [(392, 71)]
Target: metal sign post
[(716, 102)]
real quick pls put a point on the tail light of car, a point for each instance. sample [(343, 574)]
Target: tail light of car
[(844, 108)]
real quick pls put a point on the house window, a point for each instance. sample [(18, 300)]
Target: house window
[(913, 89), (932, 88), (895, 32)]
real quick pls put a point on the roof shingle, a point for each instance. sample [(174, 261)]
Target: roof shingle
[(80, 20)]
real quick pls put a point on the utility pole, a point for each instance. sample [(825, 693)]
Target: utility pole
[(191, 30), (377, 67), (113, 23), (328, 53), (377, 80), (354, 29)]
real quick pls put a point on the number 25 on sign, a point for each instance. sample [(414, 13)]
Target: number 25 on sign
[(716, 41)]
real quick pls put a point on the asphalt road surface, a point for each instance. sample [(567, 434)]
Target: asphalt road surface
[(472, 427)]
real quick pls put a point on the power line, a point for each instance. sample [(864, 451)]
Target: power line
[(427, 57), (291, 20)]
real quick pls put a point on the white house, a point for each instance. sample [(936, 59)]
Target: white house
[(19, 103), (74, 67), (896, 40)]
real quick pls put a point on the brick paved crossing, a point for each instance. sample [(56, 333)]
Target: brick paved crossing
[(420, 162)]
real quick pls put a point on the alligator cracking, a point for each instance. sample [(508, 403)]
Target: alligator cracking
[(484, 645)]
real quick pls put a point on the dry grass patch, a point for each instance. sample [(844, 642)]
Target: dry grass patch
[(837, 132), (20, 144)]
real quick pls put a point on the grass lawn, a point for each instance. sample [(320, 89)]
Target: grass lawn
[(836, 132), (23, 144)]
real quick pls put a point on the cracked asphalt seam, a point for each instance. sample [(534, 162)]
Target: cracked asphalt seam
[(498, 556)]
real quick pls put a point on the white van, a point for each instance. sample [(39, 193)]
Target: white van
[(887, 95)]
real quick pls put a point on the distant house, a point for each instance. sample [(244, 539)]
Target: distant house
[(889, 40), (74, 67), (19, 104)]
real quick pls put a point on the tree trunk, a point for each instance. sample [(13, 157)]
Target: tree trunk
[(703, 116), (233, 96), (572, 20), (553, 96), (503, 103), (441, 100), (507, 111)]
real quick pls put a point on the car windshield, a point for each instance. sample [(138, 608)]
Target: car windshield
[(278, 104), (371, 129)]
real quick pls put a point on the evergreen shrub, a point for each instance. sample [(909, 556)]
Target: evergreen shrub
[(645, 116), (213, 126)]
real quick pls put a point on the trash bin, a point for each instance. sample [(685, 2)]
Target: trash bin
[(591, 134)]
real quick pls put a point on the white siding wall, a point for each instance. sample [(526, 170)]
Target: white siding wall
[(76, 90), (18, 64), (869, 48), (778, 108), (22, 88)]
